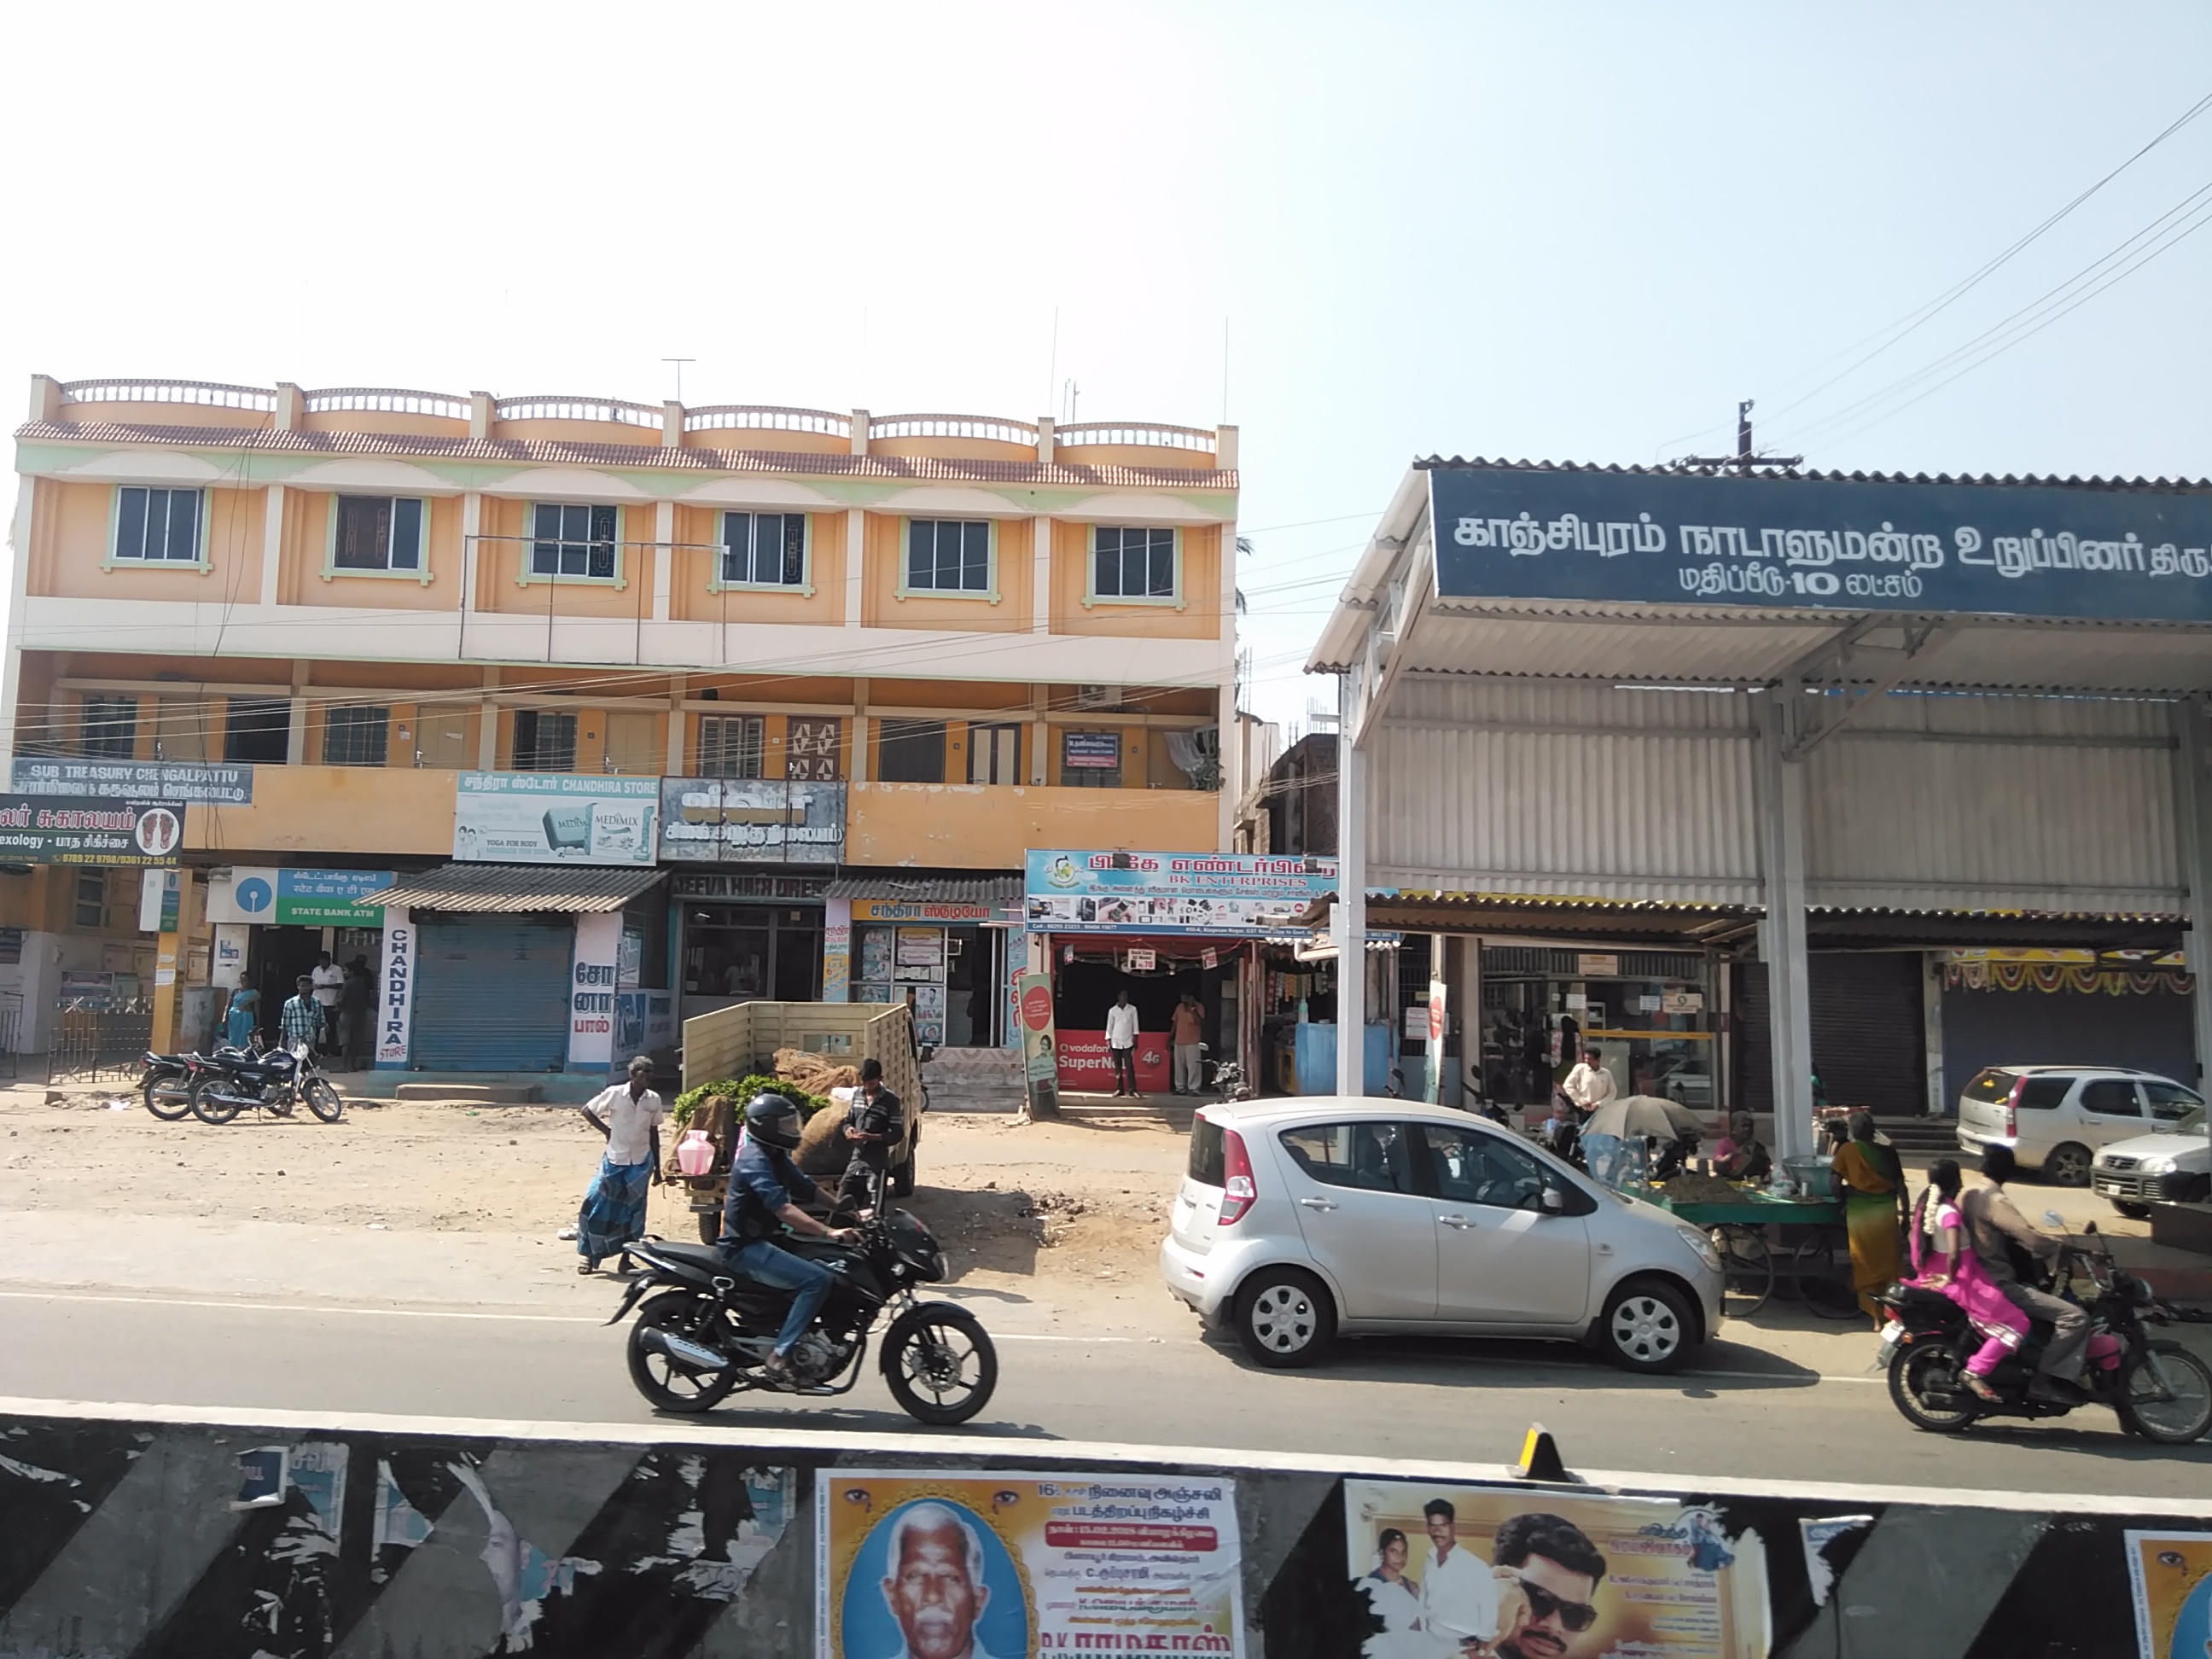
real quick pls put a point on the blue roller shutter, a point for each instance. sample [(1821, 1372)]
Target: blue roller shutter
[(491, 994)]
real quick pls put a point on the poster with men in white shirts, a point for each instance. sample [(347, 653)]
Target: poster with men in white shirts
[(1488, 1572)]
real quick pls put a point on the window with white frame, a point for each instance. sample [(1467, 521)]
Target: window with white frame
[(158, 526), (1128, 563), (575, 541), (730, 745), (765, 550), (948, 556), (378, 533)]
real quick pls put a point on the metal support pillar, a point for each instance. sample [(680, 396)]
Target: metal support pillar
[(2192, 820), (1348, 919), (1781, 804)]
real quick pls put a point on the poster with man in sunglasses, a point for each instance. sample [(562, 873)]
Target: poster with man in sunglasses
[(1575, 1578)]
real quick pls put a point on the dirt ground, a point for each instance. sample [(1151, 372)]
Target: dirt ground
[(1088, 1200)]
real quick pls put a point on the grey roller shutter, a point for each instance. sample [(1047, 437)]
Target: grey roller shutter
[(491, 994), (1868, 1034)]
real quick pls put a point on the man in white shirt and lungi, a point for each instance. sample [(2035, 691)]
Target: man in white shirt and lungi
[(1459, 1592), (1121, 1044)]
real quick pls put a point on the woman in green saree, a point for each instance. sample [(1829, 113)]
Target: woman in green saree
[(1871, 1183)]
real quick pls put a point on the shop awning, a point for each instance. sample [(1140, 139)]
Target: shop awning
[(1651, 924), (521, 888), (996, 891)]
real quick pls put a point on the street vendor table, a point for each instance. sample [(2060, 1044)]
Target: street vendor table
[(1761, 1239)]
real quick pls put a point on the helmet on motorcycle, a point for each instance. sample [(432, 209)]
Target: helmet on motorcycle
[(774, 1119)]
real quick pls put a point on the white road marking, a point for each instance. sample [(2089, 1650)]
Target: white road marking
[(495, 1315)]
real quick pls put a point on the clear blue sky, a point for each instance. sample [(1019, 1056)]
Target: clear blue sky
[(1549, 230)]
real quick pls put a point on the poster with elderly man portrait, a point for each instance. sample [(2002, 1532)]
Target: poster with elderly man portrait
[(919, 1566), (1491, 1572)]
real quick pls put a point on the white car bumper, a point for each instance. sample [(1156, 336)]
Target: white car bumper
[(1207, 1282)]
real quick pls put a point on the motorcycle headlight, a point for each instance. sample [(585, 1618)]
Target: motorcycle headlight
[(1696, 1239)]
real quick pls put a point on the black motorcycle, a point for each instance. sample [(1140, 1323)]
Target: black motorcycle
[(166, 1084), (272, 1080), (708, 1332), (2160, 1390)]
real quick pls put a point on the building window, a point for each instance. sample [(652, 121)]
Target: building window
[(257, 730), (544, 741), (355, 736), (158, 526), (1132, 564), (810, 750), (912, 751), (1090, 760), (108, 728), (730, 745), (378, 533), (994, 754), (948, 556), (572, 541), (91, 908), (765, 550)]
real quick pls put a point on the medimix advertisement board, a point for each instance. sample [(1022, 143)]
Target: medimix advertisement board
[(2123, 553), (549, 817), (89, 829)]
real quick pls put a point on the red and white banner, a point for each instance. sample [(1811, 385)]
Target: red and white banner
[(1085, 1066)]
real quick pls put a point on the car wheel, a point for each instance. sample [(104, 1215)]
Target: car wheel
[(2067, 1165), (1284, 1318), (2133, 1211), (1646, 1326)]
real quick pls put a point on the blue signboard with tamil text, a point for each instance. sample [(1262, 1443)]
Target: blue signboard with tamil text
[(2034, 549)]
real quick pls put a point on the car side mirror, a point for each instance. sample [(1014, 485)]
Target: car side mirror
[(1554, 1201), (2052, 1219)]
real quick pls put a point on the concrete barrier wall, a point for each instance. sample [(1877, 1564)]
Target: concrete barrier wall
[(286, 1534)]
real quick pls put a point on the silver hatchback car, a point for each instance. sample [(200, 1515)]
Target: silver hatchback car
[(1301, 1220)]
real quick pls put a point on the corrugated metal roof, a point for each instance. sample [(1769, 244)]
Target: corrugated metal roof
[(576, 889), (1482, 464), (930, 890)]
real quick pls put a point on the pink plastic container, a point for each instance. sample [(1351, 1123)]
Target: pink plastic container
[(695, 1153)]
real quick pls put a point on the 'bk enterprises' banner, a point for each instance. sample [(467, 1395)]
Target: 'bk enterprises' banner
[(1004, 1566), (1547, 1574), (544, 817), (1229, 895), (89, 829), (1850, 544)]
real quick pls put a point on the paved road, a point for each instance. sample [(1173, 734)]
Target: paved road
[(1747, 1412)]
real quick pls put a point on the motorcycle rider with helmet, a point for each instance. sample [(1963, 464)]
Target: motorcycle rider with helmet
[(763, 1185)]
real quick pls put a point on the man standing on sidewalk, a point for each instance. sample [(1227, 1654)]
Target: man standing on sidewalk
[(301, 1019), (1121, 1044), (1189, 1037), (330, 987)]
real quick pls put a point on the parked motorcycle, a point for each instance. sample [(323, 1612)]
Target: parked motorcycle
[(707, 1333), (2159, 1389), (1224, 1077), (232, 1079), (166, 1084)]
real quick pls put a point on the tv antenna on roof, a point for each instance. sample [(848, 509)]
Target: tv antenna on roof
[(1746, 460)]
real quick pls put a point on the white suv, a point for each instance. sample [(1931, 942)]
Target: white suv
[(1300, 1220), (2171, 1165), (2056, 1117)]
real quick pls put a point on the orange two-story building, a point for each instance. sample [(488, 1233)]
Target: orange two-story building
[(635, 698)]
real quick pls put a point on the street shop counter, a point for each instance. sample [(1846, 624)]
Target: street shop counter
[(1752, 1208)]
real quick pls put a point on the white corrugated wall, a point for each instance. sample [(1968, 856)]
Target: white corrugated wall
[(1563, 788), (1567, 788), (1905, 812)]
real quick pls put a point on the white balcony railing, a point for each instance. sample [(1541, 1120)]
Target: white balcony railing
[(209, 393), (386, 400), (554, 408), (1134, 433), (764, 418), (986, 426)]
